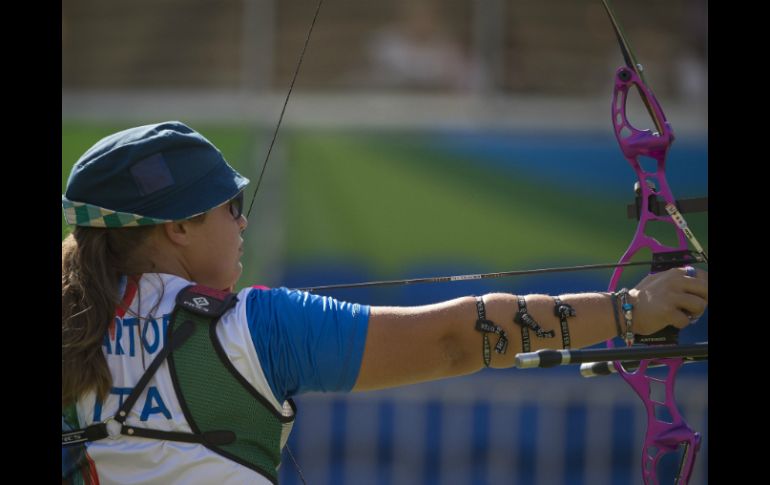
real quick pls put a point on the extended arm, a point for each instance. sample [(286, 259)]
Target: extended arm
[(406, 345)]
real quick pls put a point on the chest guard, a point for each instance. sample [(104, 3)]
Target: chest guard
[(226, 414)]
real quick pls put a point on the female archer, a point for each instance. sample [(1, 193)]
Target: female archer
[(171, 375)]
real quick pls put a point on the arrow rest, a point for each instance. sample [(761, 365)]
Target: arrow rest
[(664, 261)]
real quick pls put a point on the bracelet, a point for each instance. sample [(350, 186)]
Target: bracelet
[(488, 326), (627, 315), (563, 311)]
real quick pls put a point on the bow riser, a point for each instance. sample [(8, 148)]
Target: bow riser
[(635, 143)]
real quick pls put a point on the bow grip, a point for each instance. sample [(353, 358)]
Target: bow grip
[(665, 336), (662, 261)]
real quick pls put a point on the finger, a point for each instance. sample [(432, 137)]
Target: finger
[(698, 286), (691, 308), (679, 319)]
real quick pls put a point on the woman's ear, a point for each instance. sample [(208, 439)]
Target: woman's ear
[(178, 232)]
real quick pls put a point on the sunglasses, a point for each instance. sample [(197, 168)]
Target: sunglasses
[(235, 205)]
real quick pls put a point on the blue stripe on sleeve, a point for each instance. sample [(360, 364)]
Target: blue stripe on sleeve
[(306, 342)]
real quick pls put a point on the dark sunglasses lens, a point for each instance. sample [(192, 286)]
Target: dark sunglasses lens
[(236, 206)]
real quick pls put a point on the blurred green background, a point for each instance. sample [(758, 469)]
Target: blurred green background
[(394, 201)]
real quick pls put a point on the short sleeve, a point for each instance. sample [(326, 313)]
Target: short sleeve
[(306, 342)]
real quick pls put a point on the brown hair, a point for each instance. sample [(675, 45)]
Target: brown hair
[(93, 259)]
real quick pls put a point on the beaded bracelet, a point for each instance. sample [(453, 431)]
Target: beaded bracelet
[(627, 309)]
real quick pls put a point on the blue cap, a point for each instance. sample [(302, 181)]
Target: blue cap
[(148, 175)]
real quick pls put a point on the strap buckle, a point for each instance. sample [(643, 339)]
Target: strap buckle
[(113, 427)]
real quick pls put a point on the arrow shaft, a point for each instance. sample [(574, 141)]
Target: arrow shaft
[(482, 276)]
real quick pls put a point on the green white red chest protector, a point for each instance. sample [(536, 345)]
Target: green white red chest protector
[(225, 412)]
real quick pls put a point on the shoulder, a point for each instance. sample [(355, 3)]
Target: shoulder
[(278, 302)]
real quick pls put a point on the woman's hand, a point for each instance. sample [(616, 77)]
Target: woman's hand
[(675, 297)]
